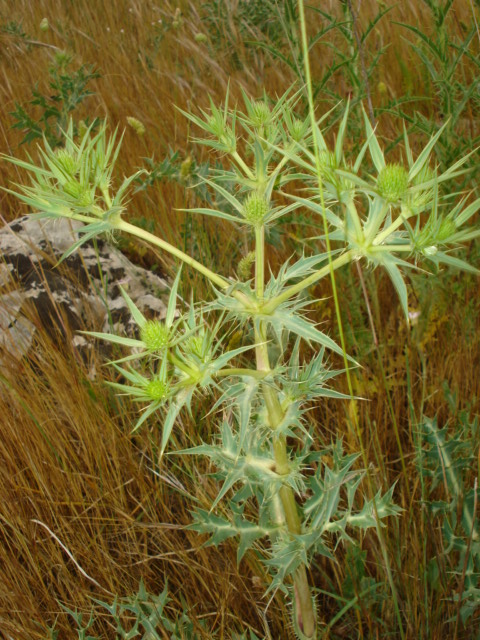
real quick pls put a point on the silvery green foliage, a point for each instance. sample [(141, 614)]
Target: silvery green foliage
[(446, 460), (144, 615)]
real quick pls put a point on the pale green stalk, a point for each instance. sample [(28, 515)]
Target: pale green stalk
[(122, 225), (242, 164), (259, 261), (351, 205), (305, 611), (383, 235), (252, 373), (276, 414)]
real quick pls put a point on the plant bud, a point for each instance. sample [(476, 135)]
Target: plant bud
[(255, 208), (298, 130), (260, 115), (194, 346), (327, 160), (154, 335), (392, 182), (73, 188), (216, 126), (447, 229), (78, 192), (66, 162)]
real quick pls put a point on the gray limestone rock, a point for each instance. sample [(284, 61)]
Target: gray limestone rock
[(82, 292)]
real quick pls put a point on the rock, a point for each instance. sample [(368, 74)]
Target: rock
[(82, 292)]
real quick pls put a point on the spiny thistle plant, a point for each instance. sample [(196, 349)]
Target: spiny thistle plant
[(276, 481)]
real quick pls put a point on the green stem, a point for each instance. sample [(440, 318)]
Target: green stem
[(259, 262), (304, 606), (383, 235), (275, 418), (345, 258), (180, 365), (253, 373), (407, 248), (356, 221), (121, 225), (241, 163)]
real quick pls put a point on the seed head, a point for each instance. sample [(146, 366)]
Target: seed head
[(186, 167), (156, 389), (136, 125), (155, 335), (245, 265), (392, 182), (255, 209)]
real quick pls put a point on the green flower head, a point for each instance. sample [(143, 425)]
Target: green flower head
[(66, 162), (156, 389), (392, 182), (82, 195), (261, 114), (255, 209), (155, 335)]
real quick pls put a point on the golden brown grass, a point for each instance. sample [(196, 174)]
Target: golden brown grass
[(86, 511), (80, 504)]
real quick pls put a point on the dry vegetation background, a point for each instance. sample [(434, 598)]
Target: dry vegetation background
[(80, 505)]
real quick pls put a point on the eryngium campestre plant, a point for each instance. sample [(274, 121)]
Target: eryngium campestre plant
[(266, 453)]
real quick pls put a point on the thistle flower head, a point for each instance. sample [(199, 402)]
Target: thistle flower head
[(446, 229), (298, 129), (392, 182), (156, 389), (327, 160), (260, 115), (155, 335), (217, 126), (82, 195), (66, 162), (255, 209), (198, 347), (420, 199)]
